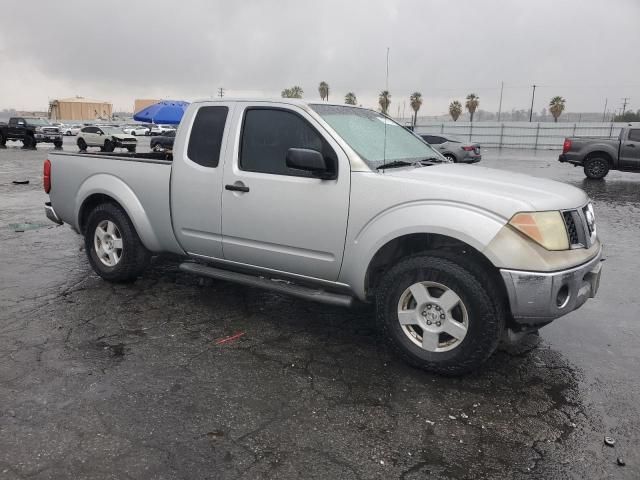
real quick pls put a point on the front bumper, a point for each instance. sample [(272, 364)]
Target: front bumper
[(51, 213), (48, 137), (538, 298)]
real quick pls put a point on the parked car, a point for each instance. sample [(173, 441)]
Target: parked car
[(136, 130), (163, 143), (161, 129), (455, 149), (598, 155), (334, 203), (107, 138), (29, 131), (72, 130)]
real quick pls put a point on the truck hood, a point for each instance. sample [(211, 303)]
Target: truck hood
[(501, 192)]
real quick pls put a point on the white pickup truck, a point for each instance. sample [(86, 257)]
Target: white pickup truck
[(335, 203)]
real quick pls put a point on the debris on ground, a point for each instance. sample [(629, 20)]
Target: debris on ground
[(20, 182), (23, 227), (232, 338), (620, 461), (609, 441)]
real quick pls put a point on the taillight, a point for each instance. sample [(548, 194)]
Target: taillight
[(566, 146), (46, 176), (468, 149)]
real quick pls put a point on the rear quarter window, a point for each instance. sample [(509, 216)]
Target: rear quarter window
[(634, 134), (205, 140)]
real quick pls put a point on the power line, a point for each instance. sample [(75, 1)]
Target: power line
[(625, 101)]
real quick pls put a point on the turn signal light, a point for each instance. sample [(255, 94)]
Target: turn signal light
[(46, 176)]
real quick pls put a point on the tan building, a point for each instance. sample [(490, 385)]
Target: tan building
[(140, 103), (79, 108)]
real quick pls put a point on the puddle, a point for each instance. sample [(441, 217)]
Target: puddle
[(23, 227)]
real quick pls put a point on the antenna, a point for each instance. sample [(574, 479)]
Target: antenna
[(384, 147)]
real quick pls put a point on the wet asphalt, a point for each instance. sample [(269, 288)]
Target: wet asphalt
[(177, 377)]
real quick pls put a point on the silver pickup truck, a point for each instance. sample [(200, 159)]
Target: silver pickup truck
[(335, 203), (598, 155)]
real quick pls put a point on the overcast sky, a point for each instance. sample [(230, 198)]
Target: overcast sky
[(583, 50)]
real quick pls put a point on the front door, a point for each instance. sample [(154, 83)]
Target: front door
[(276, 217), (630, 150)]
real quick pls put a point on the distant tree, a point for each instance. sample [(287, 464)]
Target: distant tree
[(384, 99), (455, 110), (293, 92), (323, 89), (628, 116), (350, 99), (472, 104), (415, 100), (556, 107)]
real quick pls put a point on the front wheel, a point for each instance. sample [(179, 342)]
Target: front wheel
[(109, 146), (82, 145), (29, 142), (57, 144), (596, 168), (3, 141), (131, 149), (112, 244), (438, 315)]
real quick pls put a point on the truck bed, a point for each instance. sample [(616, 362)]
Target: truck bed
[(139, 182)]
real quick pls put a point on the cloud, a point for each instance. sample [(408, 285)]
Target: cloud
[(119, 50)]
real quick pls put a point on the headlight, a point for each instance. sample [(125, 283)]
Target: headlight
[(545, 228), (38, 130)]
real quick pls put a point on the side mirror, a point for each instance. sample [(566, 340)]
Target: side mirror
[(21, 124), (309, 161)]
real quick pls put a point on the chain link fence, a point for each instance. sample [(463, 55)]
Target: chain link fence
[(536, 135)]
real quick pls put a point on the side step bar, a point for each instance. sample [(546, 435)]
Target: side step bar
[(268, 284)]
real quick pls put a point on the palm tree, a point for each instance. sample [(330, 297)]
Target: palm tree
[(293, 92), (350, 99), (415, 100), (472, 104), (323, 88), (384, 99), (455, 110), (556, 107)]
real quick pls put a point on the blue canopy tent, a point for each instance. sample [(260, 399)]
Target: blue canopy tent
[(166, 111)]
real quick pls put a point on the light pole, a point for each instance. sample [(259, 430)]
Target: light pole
[(533, 95)]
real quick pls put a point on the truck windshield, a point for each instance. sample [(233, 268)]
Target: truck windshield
[(36, 121), (364, 131)]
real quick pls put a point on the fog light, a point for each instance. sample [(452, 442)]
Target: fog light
[(563, 296)]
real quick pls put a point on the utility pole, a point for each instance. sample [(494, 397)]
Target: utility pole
[(221, 92), (533, 95), (604, 113), (625, 100), (500, 106)]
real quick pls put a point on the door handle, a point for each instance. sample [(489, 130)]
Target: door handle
[(632, 145), (237, 188)]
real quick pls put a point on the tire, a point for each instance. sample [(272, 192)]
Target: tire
[(451, 157), (3, 141), (68, 133), (133, 133), (131, 149), (82, 145), (114, 264), (476, 319), (57, 144), (29, 142), (596, 167), (108, 146)]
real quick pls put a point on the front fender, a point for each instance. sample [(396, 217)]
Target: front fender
[(466, 223), (115, 188)]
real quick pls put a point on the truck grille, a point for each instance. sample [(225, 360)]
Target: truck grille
[(581, 227), (50, 130), (572, 231)]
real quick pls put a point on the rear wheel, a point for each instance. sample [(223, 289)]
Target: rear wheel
[(57, 144), (131, 149), (133, 132), (82, 145), (451, 157), (3, 141), (596, 167), (438, 315), (113, 247)]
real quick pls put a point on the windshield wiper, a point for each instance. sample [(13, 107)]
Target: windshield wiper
[(395, 164)]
